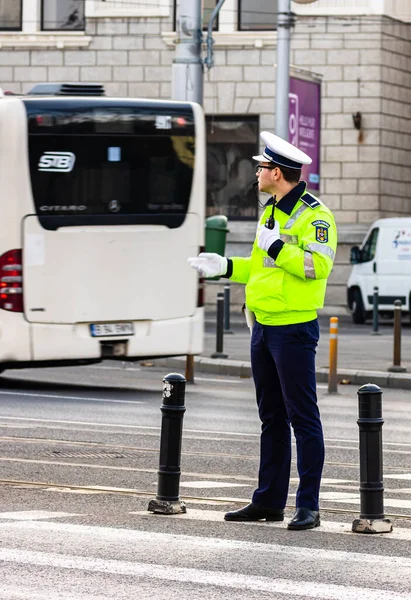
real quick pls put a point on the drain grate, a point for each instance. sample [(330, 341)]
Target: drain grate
[(62, 454)]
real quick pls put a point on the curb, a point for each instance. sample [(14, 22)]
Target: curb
[(238, 368)]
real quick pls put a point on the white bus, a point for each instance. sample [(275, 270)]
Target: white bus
[(102, 201)]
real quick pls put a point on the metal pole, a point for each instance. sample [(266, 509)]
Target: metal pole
[(190, 368), (167, 501), (396, 367), (282, 87), (227, 309), (209, 60), (220, 328), (187, 70), (332, 371), (375, 313), (370, 422)]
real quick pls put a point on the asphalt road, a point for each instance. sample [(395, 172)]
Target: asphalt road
[(79, 451)]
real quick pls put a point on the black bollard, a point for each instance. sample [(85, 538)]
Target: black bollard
[(167, 501), (219, 353), (370, 422), (227, 309), (396, 366), (375, 313)]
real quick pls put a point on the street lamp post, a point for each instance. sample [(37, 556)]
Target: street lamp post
[(284, 24), (282, 85)]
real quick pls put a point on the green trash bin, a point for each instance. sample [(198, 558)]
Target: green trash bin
[(215, 234)]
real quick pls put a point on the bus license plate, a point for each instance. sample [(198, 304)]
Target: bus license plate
[(107, 329)]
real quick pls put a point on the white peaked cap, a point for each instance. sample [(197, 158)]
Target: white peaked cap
[(282, 153)]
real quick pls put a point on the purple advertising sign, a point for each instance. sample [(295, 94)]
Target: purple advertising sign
[(304, 123)]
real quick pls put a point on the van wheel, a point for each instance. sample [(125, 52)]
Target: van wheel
[(358, 313)]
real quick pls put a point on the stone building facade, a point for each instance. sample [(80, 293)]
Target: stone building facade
[(361, 52)]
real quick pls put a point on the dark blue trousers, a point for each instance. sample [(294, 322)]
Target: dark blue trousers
[(283, 366)]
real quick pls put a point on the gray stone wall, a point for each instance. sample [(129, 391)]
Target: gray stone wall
[(395, 196), (364, 66)]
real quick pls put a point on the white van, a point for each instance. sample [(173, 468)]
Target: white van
[(383, 261)]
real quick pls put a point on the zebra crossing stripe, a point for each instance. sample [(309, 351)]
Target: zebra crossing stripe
[(398, 534), (286, 587)]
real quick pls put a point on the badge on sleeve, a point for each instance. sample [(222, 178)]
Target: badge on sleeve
[(321, 231)]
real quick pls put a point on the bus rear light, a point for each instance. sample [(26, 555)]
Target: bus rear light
[(11, 281)]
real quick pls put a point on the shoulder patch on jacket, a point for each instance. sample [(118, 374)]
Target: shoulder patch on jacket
[(321, 231), (310, 201)]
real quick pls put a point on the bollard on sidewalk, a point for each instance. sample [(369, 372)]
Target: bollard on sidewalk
[(370, 422), (227, 309), (375, 313), (167, 501), (332, 371), (189, 368), (219, 353), (396, 367)]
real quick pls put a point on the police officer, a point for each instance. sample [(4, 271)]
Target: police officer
[(285, 279)]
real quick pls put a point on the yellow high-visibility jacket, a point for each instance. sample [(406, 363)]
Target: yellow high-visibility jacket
[(290, 288)]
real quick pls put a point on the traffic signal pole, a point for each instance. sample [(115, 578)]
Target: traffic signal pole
[(282, 85), (187, 69)]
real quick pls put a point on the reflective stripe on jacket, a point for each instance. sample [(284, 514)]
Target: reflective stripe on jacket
[(292, 287)]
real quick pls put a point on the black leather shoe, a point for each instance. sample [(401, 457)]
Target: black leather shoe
[(255, 512), (304, 518)]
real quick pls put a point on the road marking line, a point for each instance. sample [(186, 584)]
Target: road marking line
[(89, 399), (113, 368), (192, 514), (117, 425), (129, 538), (237, 381), (157, 428), (349, 499), (339, 495), (34, 515), (211, 484), (137, 470), (120, 425), (283, 586), (402, 444), (220, 579)]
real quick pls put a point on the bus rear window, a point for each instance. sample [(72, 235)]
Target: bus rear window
[(110, 172)]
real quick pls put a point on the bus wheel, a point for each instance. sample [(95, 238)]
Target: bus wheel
[(358, 313)]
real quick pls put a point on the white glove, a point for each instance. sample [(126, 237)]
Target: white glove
[(209, 264), (266, 237)]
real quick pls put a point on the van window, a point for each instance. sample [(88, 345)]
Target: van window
[(370, 245)]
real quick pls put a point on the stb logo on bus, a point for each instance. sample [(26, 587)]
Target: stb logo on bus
[(57, 162)]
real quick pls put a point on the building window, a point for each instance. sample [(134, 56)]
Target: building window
[(11, 15), (231, 143), (208, 7), (60, 15), (259, 15)]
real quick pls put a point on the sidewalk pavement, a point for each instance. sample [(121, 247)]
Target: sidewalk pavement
[(363, 357)]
